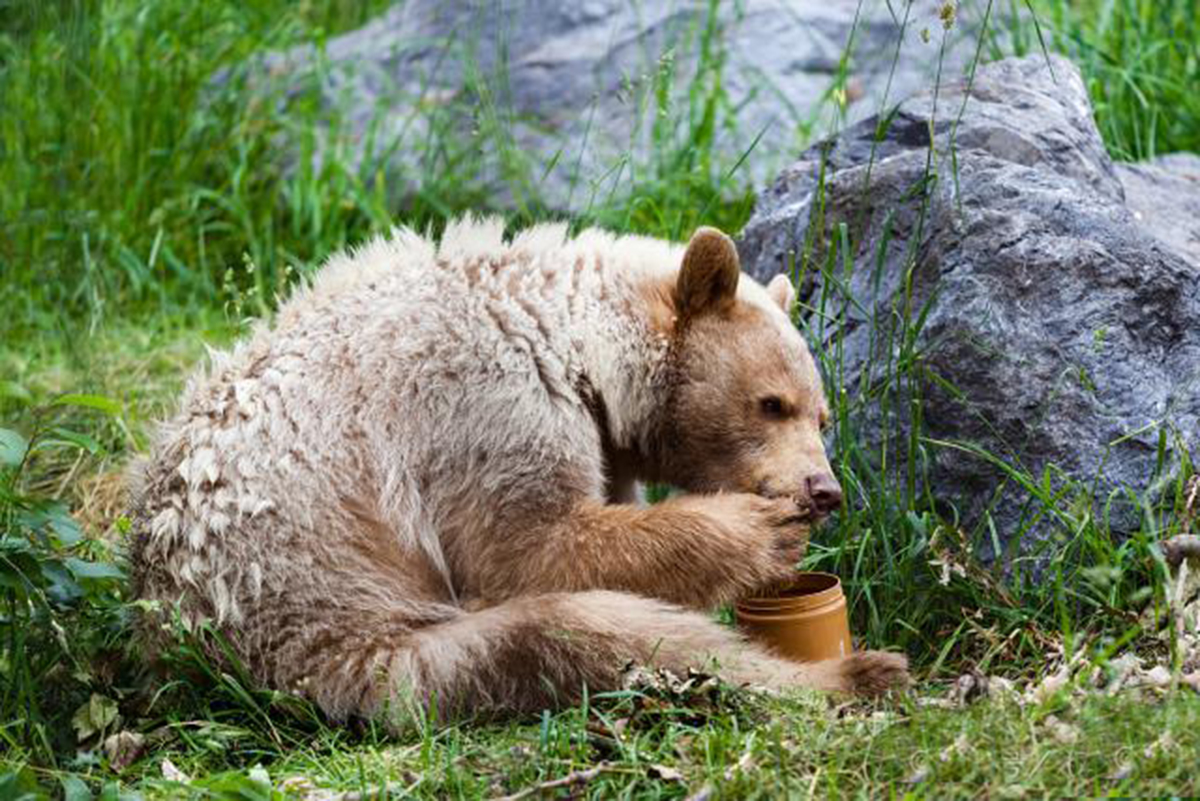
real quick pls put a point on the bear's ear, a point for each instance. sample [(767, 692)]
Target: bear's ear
[(782, 292), (709, 275)]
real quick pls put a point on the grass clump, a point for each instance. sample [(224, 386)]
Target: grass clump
[(1139, 59), (60, 591), (133, 180)]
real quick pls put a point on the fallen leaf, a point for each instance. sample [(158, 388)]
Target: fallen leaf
[(1000, 687), (690, 699), (665, 773), (1063, 732), (1120, 669), (1121, 773), (123, 749), (94, 716), (174, 774), (1051, 685), (1158, 676)]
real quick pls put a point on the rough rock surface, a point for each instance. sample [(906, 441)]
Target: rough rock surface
[(1010, 277), (558, 101), (1164, 196)]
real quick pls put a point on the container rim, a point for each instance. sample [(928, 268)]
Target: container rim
[(805, 589), (805, 583)]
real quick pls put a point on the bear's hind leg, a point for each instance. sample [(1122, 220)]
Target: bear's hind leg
[(537, 652)]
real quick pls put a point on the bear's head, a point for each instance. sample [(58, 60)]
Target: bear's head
[(746, 407)]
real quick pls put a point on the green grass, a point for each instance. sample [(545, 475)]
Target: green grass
[(146, 211), (748, 747), (1141, 62)]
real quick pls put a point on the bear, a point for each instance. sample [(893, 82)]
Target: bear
[(418, 489)]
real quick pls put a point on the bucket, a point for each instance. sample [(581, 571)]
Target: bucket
[(805, 621)]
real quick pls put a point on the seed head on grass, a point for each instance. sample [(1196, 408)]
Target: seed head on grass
[(948, 13)]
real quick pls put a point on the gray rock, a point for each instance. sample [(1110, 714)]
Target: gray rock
[(1164, 196), (1001, 277), (557, 102)]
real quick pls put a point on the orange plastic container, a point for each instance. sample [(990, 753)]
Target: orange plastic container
[(805, 621)]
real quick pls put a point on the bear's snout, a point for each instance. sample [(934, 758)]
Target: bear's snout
[(819, 493), (824, 492)]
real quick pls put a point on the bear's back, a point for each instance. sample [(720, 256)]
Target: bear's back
[(397, 362)]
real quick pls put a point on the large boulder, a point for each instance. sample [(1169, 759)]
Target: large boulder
[(567, 104), (979, 250)]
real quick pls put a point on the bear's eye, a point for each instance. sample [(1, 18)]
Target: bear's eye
[(772, 406)]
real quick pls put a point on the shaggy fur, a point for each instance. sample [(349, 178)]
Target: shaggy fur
[(419, 486)]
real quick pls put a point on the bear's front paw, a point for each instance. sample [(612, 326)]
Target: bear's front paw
[(781, 530)]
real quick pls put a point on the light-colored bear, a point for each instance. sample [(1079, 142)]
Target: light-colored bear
[(419, 485)]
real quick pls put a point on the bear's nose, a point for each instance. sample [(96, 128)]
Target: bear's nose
[(825, 492)]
